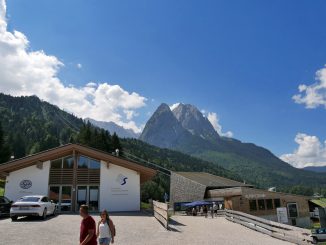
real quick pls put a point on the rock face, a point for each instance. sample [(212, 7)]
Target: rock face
[(195, 122), (113, 127), (179, 130), (163, 129)]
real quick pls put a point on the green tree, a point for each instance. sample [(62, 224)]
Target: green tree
[(4, 148), (116, 142)]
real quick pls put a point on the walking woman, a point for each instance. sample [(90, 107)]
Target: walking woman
[(105, 229)]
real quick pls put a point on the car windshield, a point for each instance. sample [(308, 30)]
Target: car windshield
[(29, 199)]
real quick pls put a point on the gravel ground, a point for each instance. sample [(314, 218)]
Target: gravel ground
[(133, 228)]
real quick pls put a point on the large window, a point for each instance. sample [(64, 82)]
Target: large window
[(85, 162), (56, 163), (65, 162), (68, 162), (253, 205), (293, 210), (261, 204), (269, 204), (82, 162), (277, 203)]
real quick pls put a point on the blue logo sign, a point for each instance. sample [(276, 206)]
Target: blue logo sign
[(121, 179), (25, 184)]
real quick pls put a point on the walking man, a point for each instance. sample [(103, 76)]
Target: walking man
[(87, 227)]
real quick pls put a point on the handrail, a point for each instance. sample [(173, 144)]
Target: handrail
[(161, 213), (281, 231)]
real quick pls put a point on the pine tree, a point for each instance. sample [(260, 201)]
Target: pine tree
[(116, 142), (4, 148)]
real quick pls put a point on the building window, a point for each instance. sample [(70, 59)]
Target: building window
[(277, 203), (253, 205), (93, 164), (68, 162), (269, 204), (261, 204), (85, 162), (293, 210), (82, 162), (56, 163)]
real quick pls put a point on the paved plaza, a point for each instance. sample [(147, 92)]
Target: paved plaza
[(133, 228)]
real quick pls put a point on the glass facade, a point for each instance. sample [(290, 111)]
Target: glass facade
[(88, 163), (253, 205), (261, 204), (85, 176), (65, 162), (269, 204)]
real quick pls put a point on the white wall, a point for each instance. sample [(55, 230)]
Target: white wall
[(39, 178), (114, 196)]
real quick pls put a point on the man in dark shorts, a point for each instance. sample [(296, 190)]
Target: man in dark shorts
[(87, 227)]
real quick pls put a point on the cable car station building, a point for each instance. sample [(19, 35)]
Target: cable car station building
[(192, 186), (72, 175)]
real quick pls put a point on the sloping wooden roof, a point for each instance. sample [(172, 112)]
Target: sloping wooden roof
[(68, 149), (211, 181)]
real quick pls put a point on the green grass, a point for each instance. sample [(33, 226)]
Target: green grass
[(145, 205), (2, 185)]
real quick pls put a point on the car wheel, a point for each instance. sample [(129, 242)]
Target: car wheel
[(54, 212), (315, 240), (44, 214), (13, 218)]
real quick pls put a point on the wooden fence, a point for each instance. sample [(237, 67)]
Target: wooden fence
[(281, 231), (161, 213)]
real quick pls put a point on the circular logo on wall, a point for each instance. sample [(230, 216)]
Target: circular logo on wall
[(25, 184)]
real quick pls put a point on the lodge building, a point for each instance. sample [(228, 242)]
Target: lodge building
[(192, 186), (72, 175)]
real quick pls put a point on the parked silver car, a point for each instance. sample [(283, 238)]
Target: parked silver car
[(319, 235)]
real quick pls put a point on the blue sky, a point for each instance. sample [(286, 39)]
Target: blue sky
[(243, 60)]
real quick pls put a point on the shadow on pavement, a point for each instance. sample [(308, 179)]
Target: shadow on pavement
[(34, 219), (176, 223)]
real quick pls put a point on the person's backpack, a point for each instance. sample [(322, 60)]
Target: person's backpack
[(110, 223)]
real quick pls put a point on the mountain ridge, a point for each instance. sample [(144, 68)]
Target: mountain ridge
[(249, 161), (114, 128)]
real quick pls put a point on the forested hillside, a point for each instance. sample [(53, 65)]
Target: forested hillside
[(31, 125)]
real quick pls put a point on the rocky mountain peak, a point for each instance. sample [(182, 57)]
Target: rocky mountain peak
[(195, 122)]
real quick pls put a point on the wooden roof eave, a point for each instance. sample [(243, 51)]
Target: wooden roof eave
[(145, 173)]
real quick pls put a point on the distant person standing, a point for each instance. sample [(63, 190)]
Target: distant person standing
[(212, 211), (205, 211), (87, 227), (215, 207)]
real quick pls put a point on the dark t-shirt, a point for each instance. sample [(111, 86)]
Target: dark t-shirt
[(86, 225)]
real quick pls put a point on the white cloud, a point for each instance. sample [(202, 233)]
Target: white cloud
[(172, 107), (79, 66), (214, 120), (310, 152), (25, 72), (313, 95)]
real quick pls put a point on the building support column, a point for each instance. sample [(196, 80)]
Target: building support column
[(74, 183)]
